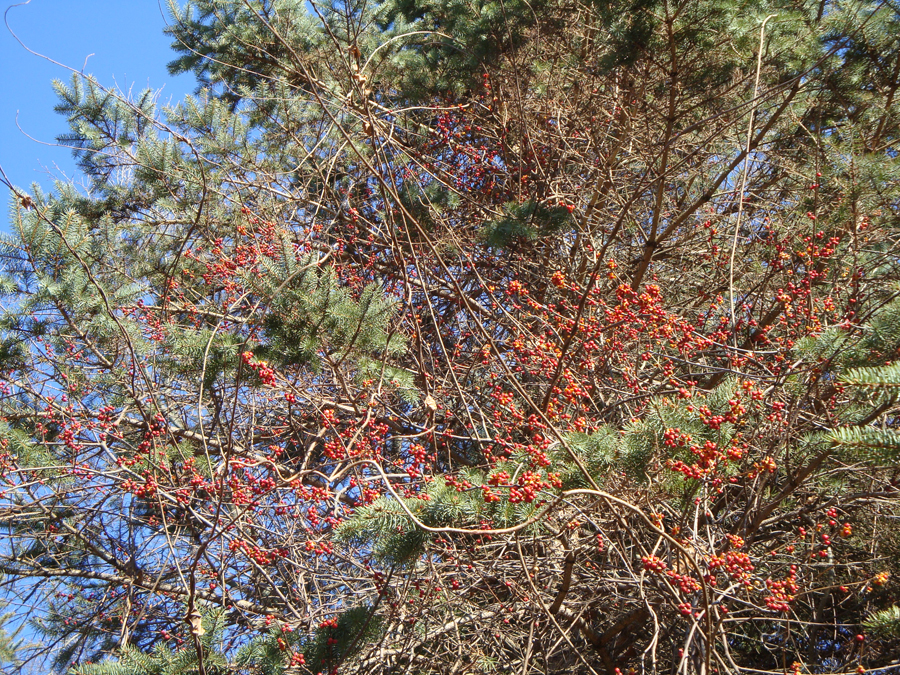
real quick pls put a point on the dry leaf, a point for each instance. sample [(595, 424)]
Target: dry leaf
[(196, 622)]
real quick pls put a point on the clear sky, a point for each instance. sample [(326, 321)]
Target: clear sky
[(129, 52)]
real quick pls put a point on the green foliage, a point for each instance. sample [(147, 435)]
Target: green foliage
[(600, 452), (466, 37), (876, 384), (883, 440), (312, 314), (266, 654), (332, 645), (385, 526), (163, 660), (427, 202), (132, 661), (878, 377), (884, 623), (879, 441), (10, 644), (632, 449), (102, 124), (18, 442), (526, 221), (213, 34)]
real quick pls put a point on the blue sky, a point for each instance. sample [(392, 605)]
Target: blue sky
[(129, 52)]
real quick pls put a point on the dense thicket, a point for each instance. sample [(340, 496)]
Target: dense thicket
[(467, 337)]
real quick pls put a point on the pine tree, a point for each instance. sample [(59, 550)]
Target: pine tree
[(465, 337)]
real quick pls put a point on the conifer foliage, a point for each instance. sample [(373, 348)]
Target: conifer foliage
[(483, 337)]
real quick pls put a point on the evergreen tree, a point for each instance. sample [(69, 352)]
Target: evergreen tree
[(479, 337)]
